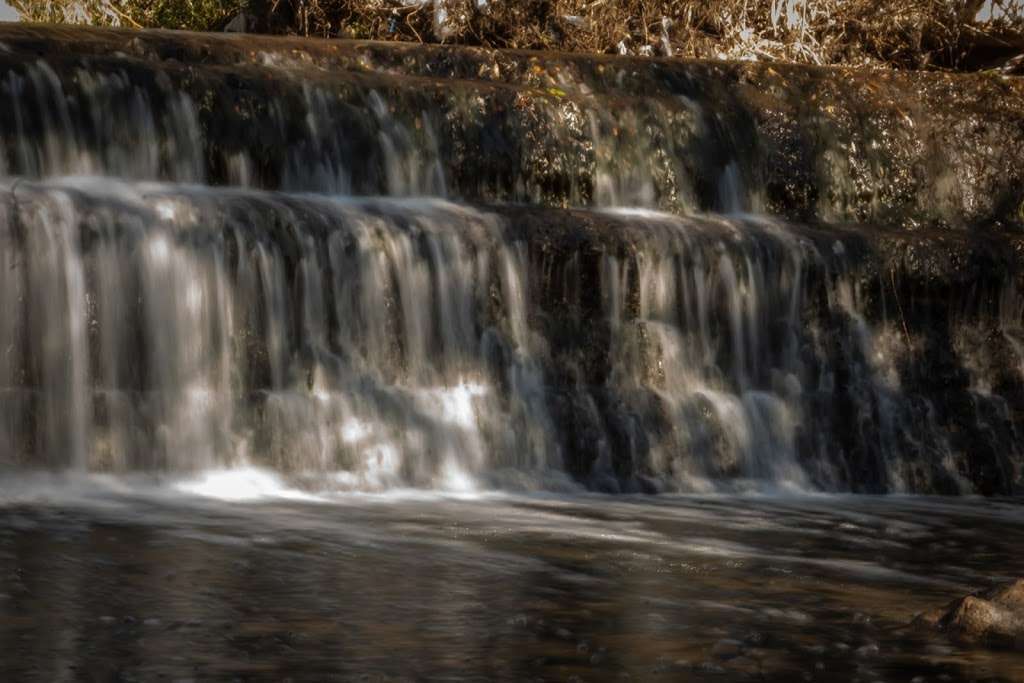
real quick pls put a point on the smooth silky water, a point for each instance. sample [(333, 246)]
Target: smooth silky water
[(237, 576), (323, 407)]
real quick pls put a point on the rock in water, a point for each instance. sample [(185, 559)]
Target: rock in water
[(1010, 595), (993, 618)]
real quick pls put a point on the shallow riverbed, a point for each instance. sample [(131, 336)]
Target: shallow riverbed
[(105, 580)]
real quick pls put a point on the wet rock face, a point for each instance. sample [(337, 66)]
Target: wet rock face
[(993, 618), (895, 149), (897, 332)]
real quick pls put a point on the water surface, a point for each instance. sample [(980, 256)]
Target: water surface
[(103, 579)]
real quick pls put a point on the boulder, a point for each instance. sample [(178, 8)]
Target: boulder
[(992, 618)]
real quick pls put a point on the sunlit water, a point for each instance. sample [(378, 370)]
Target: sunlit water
[(237, 575)]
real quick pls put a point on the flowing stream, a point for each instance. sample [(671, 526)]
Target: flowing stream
[(232, 575)]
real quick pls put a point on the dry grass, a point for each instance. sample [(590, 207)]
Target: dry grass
[(900, 33)]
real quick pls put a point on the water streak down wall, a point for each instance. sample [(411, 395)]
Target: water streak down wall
[(197, 268)]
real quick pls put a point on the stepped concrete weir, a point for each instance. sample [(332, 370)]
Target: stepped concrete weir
[(372, 266)]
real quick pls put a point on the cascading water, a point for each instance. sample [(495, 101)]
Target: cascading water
[(154, 318), (310, 334)]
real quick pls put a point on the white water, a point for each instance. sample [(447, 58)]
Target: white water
[(373, 345)]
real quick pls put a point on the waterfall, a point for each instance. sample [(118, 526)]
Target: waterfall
[(376, 279), (385, 343)]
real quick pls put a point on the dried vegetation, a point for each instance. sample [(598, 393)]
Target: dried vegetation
[(951, 34)]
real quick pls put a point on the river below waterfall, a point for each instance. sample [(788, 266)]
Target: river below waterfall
[(235, 576)]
